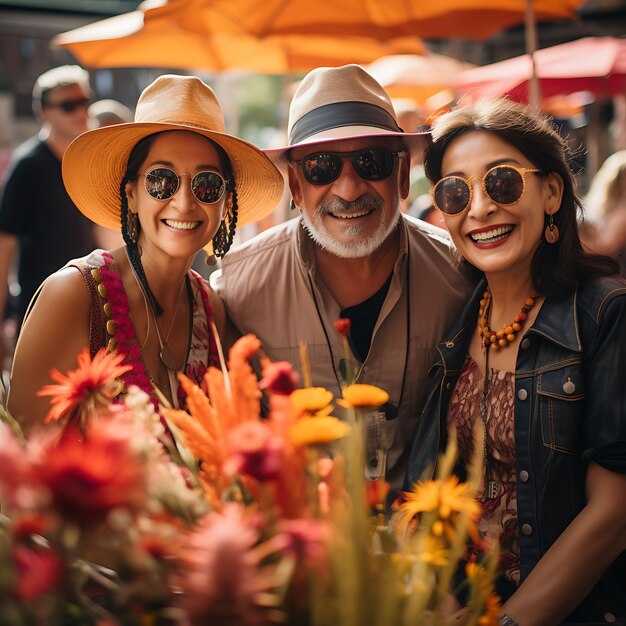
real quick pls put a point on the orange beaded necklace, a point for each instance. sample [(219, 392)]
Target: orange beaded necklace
[(507, 334)]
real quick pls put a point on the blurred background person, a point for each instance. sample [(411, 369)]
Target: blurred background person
[(606, 207), (103, 113), (37, 218), (108, 112)]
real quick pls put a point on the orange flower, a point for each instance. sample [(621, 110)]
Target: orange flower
[(86, 389), (363, 396)]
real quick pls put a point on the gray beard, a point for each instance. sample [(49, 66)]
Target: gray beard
[(360, 248)]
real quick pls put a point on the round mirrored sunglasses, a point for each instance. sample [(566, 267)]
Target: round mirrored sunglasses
[(162, 183), (504, 184)]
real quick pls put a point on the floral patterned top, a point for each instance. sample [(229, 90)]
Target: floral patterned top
[(496, 493), (121, 335)]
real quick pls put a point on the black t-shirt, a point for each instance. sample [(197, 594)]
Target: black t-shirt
[(36, 208), (363, 318)]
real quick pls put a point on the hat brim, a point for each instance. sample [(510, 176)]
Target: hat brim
[(415, 142), (95, 163)]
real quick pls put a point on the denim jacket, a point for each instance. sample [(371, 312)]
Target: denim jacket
[(570, 409)]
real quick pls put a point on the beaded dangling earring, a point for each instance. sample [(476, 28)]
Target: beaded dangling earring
[(551, 233), (133, 226), (223, 239)]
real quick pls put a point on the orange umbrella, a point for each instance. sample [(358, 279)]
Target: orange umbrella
[(182, 34), (416, 77)]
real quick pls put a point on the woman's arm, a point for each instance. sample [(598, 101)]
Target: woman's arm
[(56, 330), (575, 562)]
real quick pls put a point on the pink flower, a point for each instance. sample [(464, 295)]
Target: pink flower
[(13, 466), (307, 539), (279, 378), (221, 572), (254, 451), (38, 570)]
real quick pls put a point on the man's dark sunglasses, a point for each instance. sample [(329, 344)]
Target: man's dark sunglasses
[(69, 106), (373, 164)]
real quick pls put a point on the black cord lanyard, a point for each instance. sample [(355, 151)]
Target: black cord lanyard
[(408, 330)]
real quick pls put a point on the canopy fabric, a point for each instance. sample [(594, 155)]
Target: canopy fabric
[(592, 64)]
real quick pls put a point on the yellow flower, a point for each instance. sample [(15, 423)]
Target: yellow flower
[(363, 396), (317, 430), (492, 611), (433, 552), (311, 400), (445, 497)]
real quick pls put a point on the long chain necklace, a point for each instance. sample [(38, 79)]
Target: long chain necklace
[(508, 333), (165, 352)]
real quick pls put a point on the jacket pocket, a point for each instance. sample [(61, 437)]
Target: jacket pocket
[(561, 396)]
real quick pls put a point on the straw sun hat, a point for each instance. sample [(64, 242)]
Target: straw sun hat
[(95, 162), (334, 103)]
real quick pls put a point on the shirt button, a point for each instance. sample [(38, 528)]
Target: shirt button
[(522, 394), (448, 385), (525, 344), (609, 617), (527, 530), (523, 476)]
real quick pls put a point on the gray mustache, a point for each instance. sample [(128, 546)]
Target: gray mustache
[(339, 205)]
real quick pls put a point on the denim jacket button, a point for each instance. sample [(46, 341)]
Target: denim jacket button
[(525, 344), (569, 387), (448, 385), (524, 476), (609, 617), (527, 529), (522, 394)]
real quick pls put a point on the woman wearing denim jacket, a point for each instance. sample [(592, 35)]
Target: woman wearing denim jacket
[(548, 325)]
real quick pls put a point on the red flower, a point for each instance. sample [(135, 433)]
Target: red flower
[(342, 326), (91, 386), (39, 570), (89, 477), (279, 378)]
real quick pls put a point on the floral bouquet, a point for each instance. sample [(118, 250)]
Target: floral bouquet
[(218, 516)]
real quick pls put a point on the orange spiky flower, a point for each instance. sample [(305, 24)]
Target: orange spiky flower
[(86, 390)]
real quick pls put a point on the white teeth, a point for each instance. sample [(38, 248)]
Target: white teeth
[(350, 216), (181, 225), (492, 235)]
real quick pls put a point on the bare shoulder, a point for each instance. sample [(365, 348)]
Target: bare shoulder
[(54, 332)]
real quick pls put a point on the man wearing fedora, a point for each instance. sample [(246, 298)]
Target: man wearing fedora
[(350, 254)]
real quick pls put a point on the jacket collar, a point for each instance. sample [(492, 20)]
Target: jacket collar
[(557, 322)]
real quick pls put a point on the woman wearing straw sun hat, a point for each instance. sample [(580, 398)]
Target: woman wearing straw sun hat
[(174, 182)]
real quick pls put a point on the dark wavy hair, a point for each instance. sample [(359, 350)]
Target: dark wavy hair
[(556, 268), (136, 159)]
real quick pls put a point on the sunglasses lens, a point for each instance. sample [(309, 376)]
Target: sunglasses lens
[(207, 187), (375, 164), (452, 195), (161, 183), (504, 185), (69, 106), (321, 168)]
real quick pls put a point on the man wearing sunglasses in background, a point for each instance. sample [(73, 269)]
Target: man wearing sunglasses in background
[(350, 254), (37, 217)]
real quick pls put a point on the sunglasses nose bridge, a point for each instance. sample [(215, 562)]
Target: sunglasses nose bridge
[(481, 205), (349, 185)]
